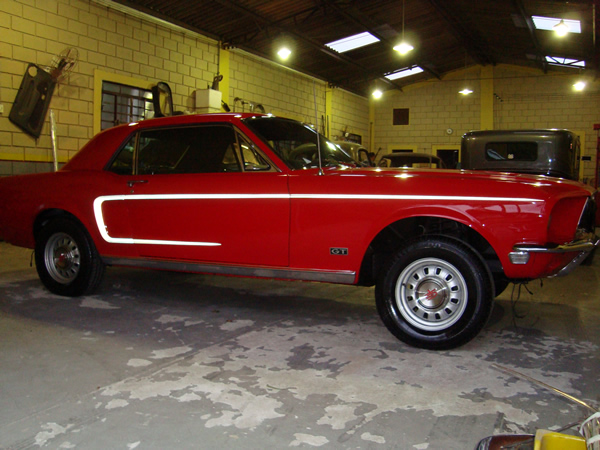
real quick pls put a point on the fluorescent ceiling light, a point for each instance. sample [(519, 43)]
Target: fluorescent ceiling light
[(548, 23), (352, 42), (565, 62), (404, 73)]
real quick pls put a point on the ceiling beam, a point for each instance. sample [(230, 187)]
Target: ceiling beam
[(526, 18), (473, 43), (242, 39), (151, 12), (235, 6)]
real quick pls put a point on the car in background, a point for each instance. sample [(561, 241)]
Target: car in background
[(410, 159), (549, 152), (357, 151), (262, 196)]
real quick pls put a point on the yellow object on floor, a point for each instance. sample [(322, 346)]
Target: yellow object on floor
[(549, 440)]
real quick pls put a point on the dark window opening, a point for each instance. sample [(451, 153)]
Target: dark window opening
[(511, 151), (449, 156), (401, 116), (205, 149), (124, 104), (201, 149)]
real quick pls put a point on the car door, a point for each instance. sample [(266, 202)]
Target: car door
[(194, 198)]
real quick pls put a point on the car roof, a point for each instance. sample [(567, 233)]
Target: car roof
[(531, 132)]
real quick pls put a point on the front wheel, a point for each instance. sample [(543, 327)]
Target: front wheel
[(66, 259), (435, 294)]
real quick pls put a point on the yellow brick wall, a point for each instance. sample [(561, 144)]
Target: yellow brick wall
[(279, 90), (351, 115), (434, 107), (549, 101), (287, 93), (523, 99), (134, 47), (106, 39)]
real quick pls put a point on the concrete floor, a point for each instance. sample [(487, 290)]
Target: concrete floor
[(166, 360)]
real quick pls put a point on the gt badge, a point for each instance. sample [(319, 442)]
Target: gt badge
[(338, 251)]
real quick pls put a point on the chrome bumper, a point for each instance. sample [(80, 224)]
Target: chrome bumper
[(583, 247)]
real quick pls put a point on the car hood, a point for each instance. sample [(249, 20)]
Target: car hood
[(472, 182), (460, 174)]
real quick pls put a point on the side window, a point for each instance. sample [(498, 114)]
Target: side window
[(123, 163), (252, 159), (200, 149), (511, 151), (161, 151)]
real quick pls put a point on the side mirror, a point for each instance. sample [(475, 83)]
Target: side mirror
[(162, 99)]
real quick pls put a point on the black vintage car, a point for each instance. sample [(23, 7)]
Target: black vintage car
[(545, 152)]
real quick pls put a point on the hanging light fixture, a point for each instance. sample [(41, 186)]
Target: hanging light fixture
[(561, 29), (284, 53), (465, 90), (403, 47), (377, 94)]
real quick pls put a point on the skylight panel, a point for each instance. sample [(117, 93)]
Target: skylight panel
[(548, 23), (565, 62), (403, 73), (351, 42)]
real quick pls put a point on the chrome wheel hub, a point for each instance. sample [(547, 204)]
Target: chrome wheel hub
[(62, 258), (431, 294)]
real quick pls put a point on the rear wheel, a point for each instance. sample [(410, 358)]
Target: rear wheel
[(66, 259), (435, 293)]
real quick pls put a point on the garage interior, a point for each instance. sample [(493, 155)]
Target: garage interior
[(158, 360)]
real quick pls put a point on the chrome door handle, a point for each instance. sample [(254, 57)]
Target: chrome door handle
[(130, 183)]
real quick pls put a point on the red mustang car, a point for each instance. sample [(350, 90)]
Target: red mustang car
[(268, 197)]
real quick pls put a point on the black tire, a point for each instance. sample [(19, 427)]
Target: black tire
[(500, 283), (66, 258), (458, 300)]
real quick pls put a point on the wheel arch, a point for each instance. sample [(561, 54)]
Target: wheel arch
[(49, 214), (389, 240)]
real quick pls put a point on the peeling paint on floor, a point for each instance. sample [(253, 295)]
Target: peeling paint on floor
[(248, 380), (148, 362), (90, 302)]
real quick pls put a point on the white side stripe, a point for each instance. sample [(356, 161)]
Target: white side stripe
[(415, 197), (116, 240), (121, 240)]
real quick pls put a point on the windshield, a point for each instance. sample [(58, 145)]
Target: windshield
[(296, 143)]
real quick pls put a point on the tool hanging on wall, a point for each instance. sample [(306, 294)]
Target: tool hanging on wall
[(216, 80), (35, 92), (252, 107), (33, 98)]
